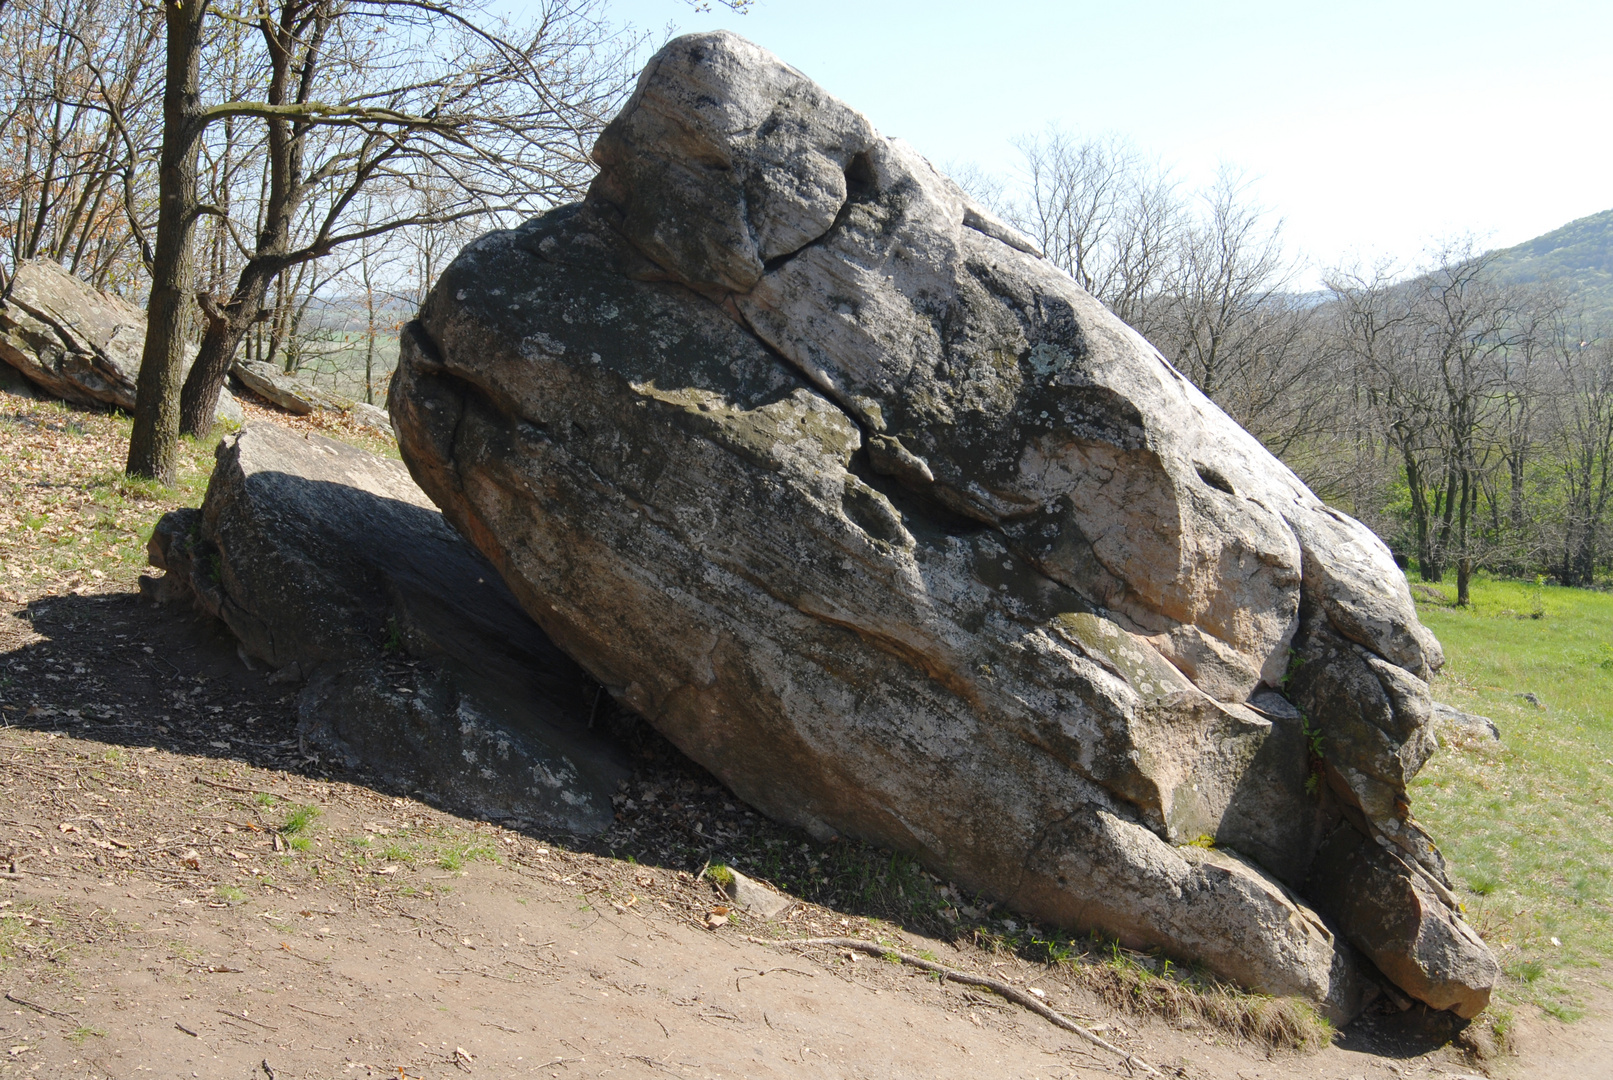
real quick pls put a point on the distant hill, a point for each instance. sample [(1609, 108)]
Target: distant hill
[(1580, 253)]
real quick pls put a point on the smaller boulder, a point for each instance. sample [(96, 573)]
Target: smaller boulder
[(297, 396), (1465, 725), (371, 416), (331, 566), (755, 897), (77, 343), (300, 397)]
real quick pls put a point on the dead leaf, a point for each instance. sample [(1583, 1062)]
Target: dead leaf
[(192, 859)]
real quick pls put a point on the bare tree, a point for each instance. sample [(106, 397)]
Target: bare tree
[(1375, 323), (1226, 307), (76, 115), (1469, 329), (1104, 214), (1583, 446), (357, 96)]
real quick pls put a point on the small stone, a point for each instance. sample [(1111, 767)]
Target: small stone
[(755, 897), (1465, 724)]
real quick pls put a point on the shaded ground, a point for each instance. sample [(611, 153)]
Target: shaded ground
[(169, 907)]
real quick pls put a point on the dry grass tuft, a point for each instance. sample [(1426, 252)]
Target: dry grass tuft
[(1279, 1023)]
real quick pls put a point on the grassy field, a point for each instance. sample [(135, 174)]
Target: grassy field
[(1526, 824)]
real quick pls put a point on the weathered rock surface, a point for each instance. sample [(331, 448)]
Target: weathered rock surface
[(754, 896), (371, 416), (301, 397), (296, 396), (890, 525), (1406, 922), (329, 564), (75, 342), (1465, 724)]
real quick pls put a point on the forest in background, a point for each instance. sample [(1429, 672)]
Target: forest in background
[(1462, 408)]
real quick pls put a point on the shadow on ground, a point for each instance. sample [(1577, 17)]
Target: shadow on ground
[(120, 669)]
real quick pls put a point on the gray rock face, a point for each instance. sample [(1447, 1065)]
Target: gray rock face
[(296, 396), (891, 526), (301, 397), (1406, 922), (75, 342), (1465, 725), (329, 564), (754, 896)]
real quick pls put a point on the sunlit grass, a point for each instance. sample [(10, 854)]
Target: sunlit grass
[(1526, 825)]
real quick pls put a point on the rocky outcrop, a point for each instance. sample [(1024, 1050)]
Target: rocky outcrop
[(331, 566), (75, 342), (301, 397), (287, 392), (881, 518)]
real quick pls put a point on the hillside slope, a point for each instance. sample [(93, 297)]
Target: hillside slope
[(1580, 252)]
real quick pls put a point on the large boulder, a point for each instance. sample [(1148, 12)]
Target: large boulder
[(881, 518), (77, 343), (332, 567)]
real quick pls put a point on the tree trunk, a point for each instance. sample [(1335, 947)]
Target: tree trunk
[(198, 401), (1426, 566), (1445, 508), (154, 443), (225, 329), (1464, 557)]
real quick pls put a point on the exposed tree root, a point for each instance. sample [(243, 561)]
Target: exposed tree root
[(996, 986)]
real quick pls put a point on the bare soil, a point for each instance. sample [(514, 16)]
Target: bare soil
[(161, 914)]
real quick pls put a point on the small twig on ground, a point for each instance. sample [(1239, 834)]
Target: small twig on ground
[(997, 986), (15, 1000), (232, 787), (754, 974), (311, 1012), (247, 1019)]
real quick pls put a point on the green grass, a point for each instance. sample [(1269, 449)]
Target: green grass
[(299, 820), (396, 852), (229, 893), (1526, 826), (455, 856)]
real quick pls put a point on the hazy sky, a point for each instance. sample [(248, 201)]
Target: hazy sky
[(1373, 128)]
